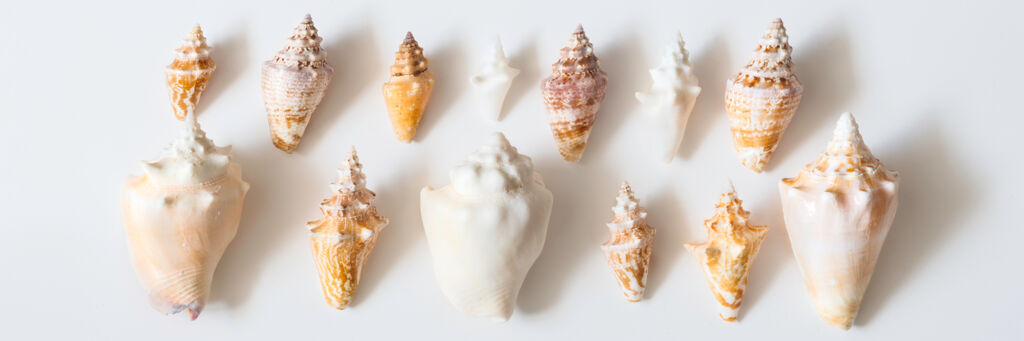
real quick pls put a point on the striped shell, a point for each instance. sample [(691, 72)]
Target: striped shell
[(343, 239), (628, 249), (294, 82), (573, 95), (762, 99), (189, 73)]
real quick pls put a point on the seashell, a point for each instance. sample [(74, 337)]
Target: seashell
[(486, 228), (671, 98), (629, 248), (180, 217), (294, 82), (189, 73), (762, 98), (408, 90), (343, 239), (492, 83), (573, 95), (838, 211), (728, 253)]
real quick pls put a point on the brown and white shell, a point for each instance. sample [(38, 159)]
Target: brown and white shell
[(407, 91), (628, 249), (762, 98), (189, 73), (344, 237), (294, 82), (728, 253), (573, 94)]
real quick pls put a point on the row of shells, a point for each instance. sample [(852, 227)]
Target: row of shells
[(761, 99), (485, 234)]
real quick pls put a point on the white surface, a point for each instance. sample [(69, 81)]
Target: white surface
[(932, 87)]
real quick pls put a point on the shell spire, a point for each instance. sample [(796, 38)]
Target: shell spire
[(343, 239), (628, 249), (671, 98), (189, 73), (294, 82), (573, 94), (838, 211), (729, 251), (408, 90), (762, 98)]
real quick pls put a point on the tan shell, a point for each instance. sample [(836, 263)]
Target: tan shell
[(343, 239), (762, 99), (177, 233), (407, 91), (294, 82), (628, 249), (189, 73), (838, 211), (573, 95), (728, 253)]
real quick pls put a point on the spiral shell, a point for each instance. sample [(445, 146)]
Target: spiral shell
[(189, 73), (344, 237), (728, 253), (762, 98), (838, 211), (628, 249), (294, 82), (407, 91), (573, 94)]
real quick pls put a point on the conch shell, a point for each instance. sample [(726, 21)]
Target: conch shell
[(573, 95), (762, 98), (180, 217), (629, 248), (294, 82), (189, 73), (838, 211), (343, 239), (671, 98), (487, 228), (728, 253), (408, 90), (492, 83)]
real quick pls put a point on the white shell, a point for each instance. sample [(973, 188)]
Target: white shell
[(671, 98), (492, 83), (486, 229), (838, 211)]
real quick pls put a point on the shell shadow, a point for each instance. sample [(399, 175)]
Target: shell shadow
[(232, 58), (712, 66), (451, 78), (664, 213), (575, 230), (530, 72), (356, 67), (932, 176), (828, 72), (624, 61), (281, 192), (775, 250), (404, 230)]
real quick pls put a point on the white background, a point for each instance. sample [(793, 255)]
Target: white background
[(932, 85)]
